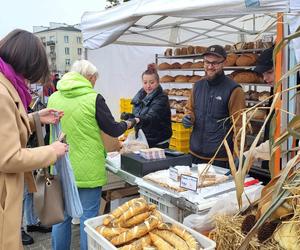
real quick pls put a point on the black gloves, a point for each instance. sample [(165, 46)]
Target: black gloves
[(137, 128), (126, 116), (186, 121)]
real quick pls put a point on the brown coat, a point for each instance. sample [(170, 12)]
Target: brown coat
[(15, 159)]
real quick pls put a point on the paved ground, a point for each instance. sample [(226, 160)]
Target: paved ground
[(43, 241)]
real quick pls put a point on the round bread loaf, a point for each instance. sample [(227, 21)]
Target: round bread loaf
[(182, 78), (195, 78), (177, 52), (187, 65), (167, 78), (176, 65), (168, 52), (199, 49), (183, 51), (164, 66), (231, 59), (197, 65), (246, 60), (245, 77), (190, 50)]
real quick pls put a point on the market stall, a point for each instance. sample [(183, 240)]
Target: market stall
[(177, 25)]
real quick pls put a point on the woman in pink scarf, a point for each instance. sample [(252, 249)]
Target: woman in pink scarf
[(22, 59)]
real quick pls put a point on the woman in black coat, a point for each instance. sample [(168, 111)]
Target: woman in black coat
[(151, 107)]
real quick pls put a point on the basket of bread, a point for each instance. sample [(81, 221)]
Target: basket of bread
[(137, 225)]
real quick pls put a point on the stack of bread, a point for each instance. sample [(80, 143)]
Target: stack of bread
[(137, 225), (246, 76)]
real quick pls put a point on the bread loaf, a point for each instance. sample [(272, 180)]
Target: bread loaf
[(197, 65), (199, 49), (245, 77), (195, 78), (182, 78), (172, 238), (190, 50), (167, 78), (168, 52), (230, 60), (138, 244), (246, 60), (160, 243), (164, 66), (136, 232), (183, 51), (187, 65), (189, 239), (176, 65)]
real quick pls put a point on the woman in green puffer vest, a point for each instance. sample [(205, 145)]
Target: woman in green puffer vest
[(85, 115)]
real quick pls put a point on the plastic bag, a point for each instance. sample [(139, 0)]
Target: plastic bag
[(64, 169), (206, 222), (134, 144)]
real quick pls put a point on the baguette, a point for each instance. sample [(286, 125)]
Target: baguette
[(189, 239), (109, 232), (160, 243), (120, 210), (138, 244), (172, 238), (136, 232), (137, 208), (136, 219)]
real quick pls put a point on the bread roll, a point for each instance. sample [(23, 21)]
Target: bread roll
[(167, 78), (187, 65), (160, 243), (199, 49), (190, 50), (195, 78), (177, 52), (197, 65), (164, 66), (246, 60), (182, 78), (231, 59), (168, 52), (183, 51), (176, 65)]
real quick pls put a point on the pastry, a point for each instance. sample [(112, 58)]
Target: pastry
[(230, 60), (197, 65), (177, 52), (109, 232), (187, 65), (167, 78), (189, 239), (199, 49), (136, 232), (120, 210), (164, 66), (171, 238), (182, 78), (175, 65), (139, 244), (168, 52), (160, 243), (246, 60), (190, 50), (195, 78), (183, 51)]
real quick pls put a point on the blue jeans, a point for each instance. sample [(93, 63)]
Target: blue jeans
[(28, 208), (61, 233)]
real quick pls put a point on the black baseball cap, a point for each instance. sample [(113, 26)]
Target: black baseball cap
[(264, 61), (216, 50)]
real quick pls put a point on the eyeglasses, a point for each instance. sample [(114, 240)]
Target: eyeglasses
[(215, 63)]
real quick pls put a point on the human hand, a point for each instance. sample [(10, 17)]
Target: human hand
[(187, 122), (131, 123), (60, 148), (125, 116), (50, 116)]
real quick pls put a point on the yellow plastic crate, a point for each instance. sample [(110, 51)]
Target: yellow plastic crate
[(181, 143), (184, 149), (172, 147), (173, 141), (182, 135), (177, 126)]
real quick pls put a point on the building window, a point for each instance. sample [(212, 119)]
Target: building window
[(52, 38), (68, 62), (67, 51), (52, 49), (79, 51), (66, 38), (78, 39)]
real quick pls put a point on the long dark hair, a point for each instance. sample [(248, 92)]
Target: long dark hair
[(26, 54), (151, 70)]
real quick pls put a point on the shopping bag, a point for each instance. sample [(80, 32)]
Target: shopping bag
[(134, 142), (48, 200), (64, 170)]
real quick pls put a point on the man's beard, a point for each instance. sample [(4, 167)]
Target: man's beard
[(213, 77)]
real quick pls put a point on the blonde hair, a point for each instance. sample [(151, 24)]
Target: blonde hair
[(85, 68)]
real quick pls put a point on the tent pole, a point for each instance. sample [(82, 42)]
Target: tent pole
[(278, 73)]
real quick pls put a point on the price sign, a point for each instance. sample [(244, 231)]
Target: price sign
[(189, 182), (173, 173)]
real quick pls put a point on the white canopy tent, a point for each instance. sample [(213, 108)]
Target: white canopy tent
[(177, 23)]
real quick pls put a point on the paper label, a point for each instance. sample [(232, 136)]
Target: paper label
[(189, 182), (173, 174)]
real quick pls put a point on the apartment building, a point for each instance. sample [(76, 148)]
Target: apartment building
[(63, 45)]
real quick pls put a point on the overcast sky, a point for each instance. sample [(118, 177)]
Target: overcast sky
[(27, 13)]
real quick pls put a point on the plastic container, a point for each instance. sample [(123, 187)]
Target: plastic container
[(182, 135), (177, 126), (97, 242)]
